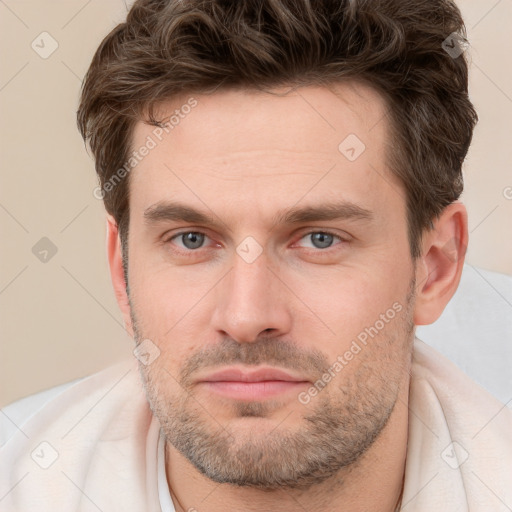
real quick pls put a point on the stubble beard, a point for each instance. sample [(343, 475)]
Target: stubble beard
[(340, 425)]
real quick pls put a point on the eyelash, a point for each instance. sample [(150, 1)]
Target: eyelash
[(324, 232)]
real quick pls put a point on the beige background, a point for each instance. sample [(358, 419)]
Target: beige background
[(59, 319)]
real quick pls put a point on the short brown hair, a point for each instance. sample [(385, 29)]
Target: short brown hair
[(168, 48)]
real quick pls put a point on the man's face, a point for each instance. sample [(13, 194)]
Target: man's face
[(326, 300)]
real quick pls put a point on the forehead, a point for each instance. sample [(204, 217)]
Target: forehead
[(243, 149), (240, 118)]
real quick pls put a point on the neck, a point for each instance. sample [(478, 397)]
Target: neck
[(374, 482)]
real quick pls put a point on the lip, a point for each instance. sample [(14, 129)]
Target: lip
[(236, 374), (241, 384)]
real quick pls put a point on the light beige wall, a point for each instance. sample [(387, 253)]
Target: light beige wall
[(59, 319)]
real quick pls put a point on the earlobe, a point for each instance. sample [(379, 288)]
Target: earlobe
[(439, 268), (115, 261)]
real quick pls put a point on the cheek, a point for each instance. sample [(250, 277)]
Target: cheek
[(169, 310), (348, 301), (163, 298), (162, 388)]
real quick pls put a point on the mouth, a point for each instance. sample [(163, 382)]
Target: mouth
[(241, 384)]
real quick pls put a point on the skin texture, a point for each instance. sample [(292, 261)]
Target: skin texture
[(241, 157)]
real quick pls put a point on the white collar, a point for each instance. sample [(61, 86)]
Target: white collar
[(164, 495)]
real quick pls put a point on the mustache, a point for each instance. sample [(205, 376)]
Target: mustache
[(264, 351)]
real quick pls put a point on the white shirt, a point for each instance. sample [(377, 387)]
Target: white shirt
[(164, 495), (96, 445)]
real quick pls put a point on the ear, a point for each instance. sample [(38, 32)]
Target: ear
[(115, 261), (439, 268)]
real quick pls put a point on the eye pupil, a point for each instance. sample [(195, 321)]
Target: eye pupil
[(192, 240), (323, 239)]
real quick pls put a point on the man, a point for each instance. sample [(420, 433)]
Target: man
[(281, 180)]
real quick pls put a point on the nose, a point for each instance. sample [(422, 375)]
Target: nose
[(251, 300)]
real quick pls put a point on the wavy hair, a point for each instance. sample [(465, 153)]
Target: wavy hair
[(171, 47)]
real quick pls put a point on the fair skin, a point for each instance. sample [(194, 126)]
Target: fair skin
[(241, 157)]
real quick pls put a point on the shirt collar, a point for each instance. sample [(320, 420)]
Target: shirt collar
[(164, 495)]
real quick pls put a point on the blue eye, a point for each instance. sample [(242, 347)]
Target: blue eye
[(321, 239), (190, 239)]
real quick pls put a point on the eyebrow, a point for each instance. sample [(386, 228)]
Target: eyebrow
[(169, 211)]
